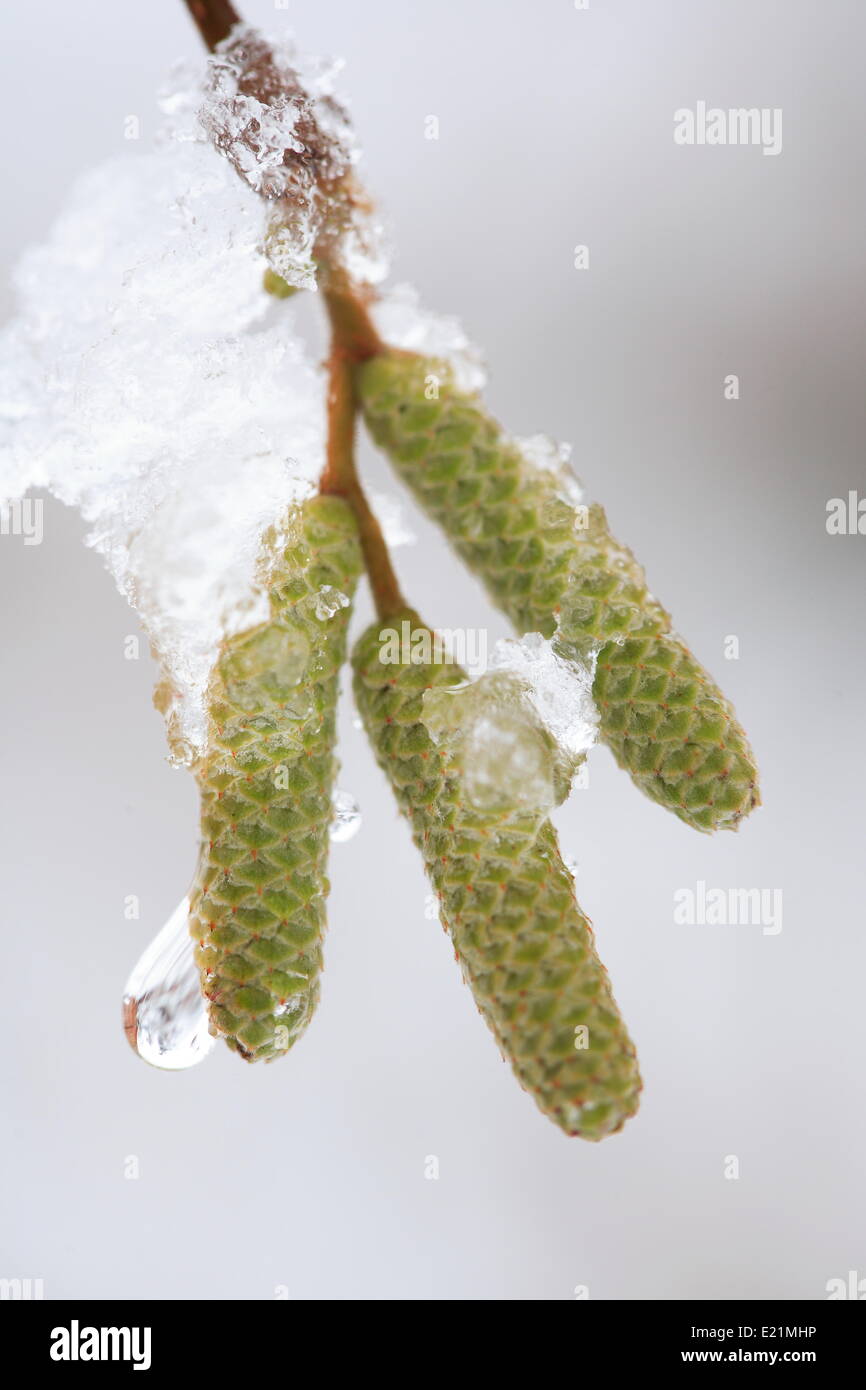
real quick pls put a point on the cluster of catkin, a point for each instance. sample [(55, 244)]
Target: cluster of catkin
[(506, 897)]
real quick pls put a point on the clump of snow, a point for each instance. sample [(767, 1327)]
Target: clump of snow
[(345, 817), (147, 382), (403, 322), (554, 458), (559, 691), (272, 112)]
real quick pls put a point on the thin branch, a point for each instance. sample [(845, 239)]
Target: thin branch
[(340, 479), (351, 324), (214, 19)]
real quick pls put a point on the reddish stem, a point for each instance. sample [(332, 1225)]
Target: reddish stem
[(214, 19), (340, 478)]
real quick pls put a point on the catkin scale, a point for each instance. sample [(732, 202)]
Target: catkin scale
[(507, 900), (558, 570), (257, 907)]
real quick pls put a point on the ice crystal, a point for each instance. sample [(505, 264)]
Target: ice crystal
[(346, 817), (550, 456), (273, 113)]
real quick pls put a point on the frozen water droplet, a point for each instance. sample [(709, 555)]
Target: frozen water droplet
[(431, 907), (164, 1014), (571, 864), (329, 601), (346, 820), (357, 721)]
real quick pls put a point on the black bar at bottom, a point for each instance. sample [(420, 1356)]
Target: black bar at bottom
[(250, 1340)]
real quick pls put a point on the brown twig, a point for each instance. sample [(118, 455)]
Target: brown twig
[(340, 479), (349, 315), (214, 19)]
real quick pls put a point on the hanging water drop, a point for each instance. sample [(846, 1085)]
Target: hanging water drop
[(164, 1014), (346, 820)]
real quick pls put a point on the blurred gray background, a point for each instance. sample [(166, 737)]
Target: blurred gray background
[(555, 130)]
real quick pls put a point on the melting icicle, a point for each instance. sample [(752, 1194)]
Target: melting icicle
[(164, 1014), (346, 820)]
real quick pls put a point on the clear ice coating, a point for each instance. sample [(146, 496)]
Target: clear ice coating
[(508, 759), (521, 727), (164, 1013), (269, 661), (329, 601), (346, 818)]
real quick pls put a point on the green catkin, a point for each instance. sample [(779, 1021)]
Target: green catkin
[(507, 900), (555, 568), (266, 781)]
